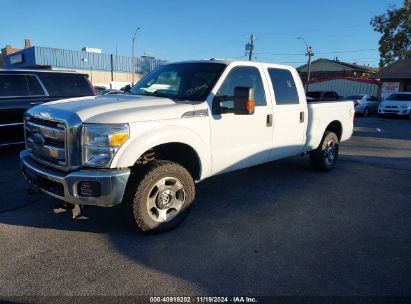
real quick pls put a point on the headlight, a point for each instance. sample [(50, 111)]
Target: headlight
[(101, 143)]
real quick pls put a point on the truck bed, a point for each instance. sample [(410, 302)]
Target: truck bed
[(325, 112)]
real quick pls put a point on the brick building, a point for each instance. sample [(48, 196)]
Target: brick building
[(324, 69), (8, 50), (396, 77)]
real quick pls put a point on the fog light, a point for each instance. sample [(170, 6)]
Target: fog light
[(89, 189)]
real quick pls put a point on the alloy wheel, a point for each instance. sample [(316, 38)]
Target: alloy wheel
[(165, 199)]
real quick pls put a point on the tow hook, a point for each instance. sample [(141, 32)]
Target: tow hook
[(75, 210)]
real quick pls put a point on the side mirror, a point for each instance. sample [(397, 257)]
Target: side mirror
[(243, 101)]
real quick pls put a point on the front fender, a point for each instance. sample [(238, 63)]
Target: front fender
[(146, 137)]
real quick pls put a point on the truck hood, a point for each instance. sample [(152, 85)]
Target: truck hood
[(394, 103), (117, 108)]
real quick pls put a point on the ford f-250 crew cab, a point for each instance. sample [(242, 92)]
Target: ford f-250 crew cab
[(181, 123)]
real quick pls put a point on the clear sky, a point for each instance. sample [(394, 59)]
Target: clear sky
[(192, 29)]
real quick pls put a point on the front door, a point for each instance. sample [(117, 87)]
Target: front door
[(239, 141)]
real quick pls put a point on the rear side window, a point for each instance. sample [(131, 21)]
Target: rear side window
[(355, 97), (34, 86), (315, 95), (284, 87), (66, 85), (330, 95), (13, 86), (372, 98)]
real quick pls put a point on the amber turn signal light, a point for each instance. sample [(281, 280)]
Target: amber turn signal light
[(250, 106)]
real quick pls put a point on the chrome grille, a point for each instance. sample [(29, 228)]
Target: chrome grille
[(391, 109), (46, 140)]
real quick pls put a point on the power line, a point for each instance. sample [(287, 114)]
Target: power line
[(342, 52), (277, 54), (320, 53)]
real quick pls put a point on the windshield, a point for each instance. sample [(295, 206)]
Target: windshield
[(400, 97), (180, 81)]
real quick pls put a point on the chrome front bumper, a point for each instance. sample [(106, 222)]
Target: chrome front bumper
[(65, 186)]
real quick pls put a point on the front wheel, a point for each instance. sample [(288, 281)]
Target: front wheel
[(162, 196), (325, 156)]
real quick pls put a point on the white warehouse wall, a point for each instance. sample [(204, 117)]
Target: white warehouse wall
[(345, 87)]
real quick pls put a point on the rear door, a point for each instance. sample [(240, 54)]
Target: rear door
[(290, 113), (239, 141)]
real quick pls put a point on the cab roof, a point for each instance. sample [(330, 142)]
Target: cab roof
[(233, 61), (40, 71)]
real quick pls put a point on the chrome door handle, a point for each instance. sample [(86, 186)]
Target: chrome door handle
[(269, 120)]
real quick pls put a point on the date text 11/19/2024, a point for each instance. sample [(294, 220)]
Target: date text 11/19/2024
[(203, 300)]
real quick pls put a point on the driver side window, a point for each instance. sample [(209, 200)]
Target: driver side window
[(242, 77)]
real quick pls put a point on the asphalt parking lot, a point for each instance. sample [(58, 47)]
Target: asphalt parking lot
[(275, 229)]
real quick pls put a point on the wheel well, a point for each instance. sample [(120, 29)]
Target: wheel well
[(179, 153), (335, 127)]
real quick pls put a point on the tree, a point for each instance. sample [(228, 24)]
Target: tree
[(395, 27)]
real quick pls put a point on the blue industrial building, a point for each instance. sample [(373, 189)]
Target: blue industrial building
[(68, 59), (109, 70)]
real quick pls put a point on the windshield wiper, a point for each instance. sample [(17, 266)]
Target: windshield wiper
[(160, 94)]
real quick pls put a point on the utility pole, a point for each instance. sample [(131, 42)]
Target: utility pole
[(250, 47), (310, 54), (133, 60), (115, 67)]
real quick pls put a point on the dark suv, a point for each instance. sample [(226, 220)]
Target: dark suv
[(323, 96), (22, 89)]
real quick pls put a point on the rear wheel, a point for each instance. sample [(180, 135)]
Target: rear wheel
[(325, 156), (162, 196)]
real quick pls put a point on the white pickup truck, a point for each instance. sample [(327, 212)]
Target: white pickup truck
[(181, 123)]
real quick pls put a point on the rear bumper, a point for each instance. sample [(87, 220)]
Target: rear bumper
[(107, 186)]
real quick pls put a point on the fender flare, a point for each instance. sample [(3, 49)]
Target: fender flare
[(129, 153)]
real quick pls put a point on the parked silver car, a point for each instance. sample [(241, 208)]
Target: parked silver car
[(364, 104)]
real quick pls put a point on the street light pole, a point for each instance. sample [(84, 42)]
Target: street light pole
[(133, 63), (310, 54)]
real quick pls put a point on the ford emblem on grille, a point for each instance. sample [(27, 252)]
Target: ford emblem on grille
[(38, 139)]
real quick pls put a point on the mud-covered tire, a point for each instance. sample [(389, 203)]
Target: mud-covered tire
[(325, 156), (143, 191)]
